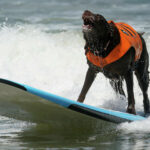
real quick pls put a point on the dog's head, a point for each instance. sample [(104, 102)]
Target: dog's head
[(96, 30)]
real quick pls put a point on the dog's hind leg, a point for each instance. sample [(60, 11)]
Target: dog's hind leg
[(143, 77), (143, 80)]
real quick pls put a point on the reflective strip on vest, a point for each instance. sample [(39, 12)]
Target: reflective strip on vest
[(128, 38)]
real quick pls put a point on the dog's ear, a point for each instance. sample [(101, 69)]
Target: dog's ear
[(99, 18), (111, 28)]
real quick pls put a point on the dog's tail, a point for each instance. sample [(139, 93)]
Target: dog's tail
[(141, 33), (148, 75)]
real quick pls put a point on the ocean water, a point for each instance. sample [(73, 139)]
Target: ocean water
[(42, 45)]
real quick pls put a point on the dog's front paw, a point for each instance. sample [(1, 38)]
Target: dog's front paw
[(80, 100), (131, 110)]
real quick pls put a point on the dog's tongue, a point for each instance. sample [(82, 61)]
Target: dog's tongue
[(86, 27)]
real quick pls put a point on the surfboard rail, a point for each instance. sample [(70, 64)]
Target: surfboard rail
[(100, 113)]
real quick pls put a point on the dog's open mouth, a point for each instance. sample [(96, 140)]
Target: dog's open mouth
[(88, 20), (87, 24)]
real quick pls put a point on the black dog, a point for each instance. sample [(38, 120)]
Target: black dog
[(102, 38)]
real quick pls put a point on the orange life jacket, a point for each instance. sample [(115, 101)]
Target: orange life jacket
[(128, 38)]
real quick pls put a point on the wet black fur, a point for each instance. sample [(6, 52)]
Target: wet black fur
[(120, 70)]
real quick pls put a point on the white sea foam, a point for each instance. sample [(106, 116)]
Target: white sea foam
[(49, 61), (136, 127)]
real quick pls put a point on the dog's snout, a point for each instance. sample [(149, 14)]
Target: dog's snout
[(87, 15)]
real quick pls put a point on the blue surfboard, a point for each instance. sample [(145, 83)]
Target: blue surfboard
[(100, 113)]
